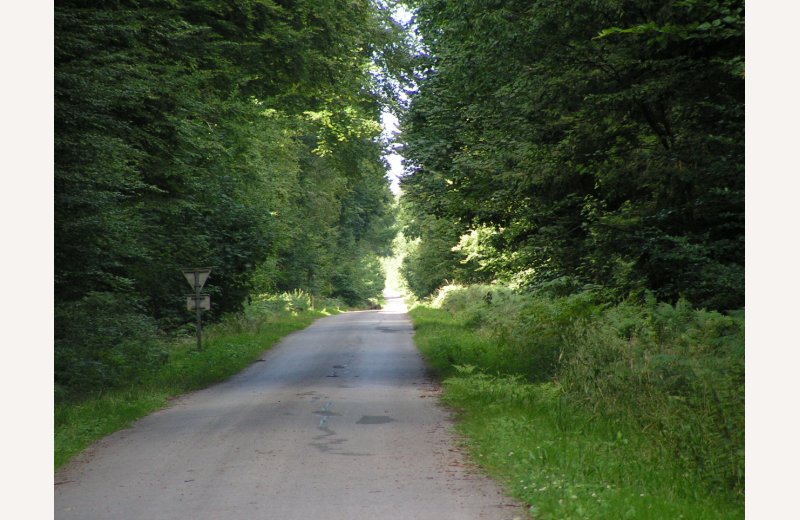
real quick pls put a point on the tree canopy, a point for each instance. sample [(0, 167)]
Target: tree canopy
[(577, 143), (594, 142), (243, 135)]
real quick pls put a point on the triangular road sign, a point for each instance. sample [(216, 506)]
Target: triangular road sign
[(197, 275)]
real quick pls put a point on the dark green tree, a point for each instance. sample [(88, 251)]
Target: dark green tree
[(242, 135), (601, 141)]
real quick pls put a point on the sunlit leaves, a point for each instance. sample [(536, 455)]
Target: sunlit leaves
[(192, 133), (594, 136)]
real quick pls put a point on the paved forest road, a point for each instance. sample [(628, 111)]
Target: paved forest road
[(339, 422)]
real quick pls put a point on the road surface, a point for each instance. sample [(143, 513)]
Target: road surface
[(338, 421)]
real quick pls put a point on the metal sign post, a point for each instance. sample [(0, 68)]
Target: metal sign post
[(197, 276)]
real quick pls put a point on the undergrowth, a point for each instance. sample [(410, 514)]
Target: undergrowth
[(588, 410), (82, 417)]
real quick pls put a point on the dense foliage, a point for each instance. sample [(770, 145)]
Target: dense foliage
[(671, 371), (587, 159), (240, 135), (596, 142)]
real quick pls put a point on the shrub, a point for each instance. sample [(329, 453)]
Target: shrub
[(529, 331), (102, 341), (672, 370)]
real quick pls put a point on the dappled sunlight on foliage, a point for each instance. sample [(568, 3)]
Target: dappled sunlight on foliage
[(672, 374), (597, 141), (245, 137)]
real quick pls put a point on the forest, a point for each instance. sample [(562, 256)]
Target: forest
[(242, 136), (571, 210), (572, 221), (580, 143)]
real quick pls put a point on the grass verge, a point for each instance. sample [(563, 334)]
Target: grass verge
[(228, 348), (562, 460)]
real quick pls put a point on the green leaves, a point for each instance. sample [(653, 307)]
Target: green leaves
[(582, 131), (243, 136)]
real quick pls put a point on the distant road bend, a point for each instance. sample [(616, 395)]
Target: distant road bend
[(339, 422)]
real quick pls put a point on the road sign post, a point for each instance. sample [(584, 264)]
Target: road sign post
[(197, 276)]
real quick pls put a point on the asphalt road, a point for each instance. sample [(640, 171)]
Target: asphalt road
[(338, 421)]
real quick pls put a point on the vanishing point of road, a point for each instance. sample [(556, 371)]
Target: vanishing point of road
[(337, 422)]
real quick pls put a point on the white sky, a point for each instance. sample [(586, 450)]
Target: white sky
[(389, 122)]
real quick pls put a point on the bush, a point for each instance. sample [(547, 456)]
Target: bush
[(102, 341), (672, 370), (530, 332)]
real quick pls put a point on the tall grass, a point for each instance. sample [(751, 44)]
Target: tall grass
[(228, 347), (627, 411)]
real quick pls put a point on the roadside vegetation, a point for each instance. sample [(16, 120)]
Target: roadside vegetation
[(137, 381), (241, 136), (576, 167), (591, 410), (575, 182)]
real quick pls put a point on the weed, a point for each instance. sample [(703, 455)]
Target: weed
[(627, 411)]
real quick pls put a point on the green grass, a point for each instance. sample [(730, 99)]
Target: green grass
[(562, 460), (228, 348)]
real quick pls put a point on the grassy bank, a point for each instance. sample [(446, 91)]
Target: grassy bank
[(590, 411), (228, 347)]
